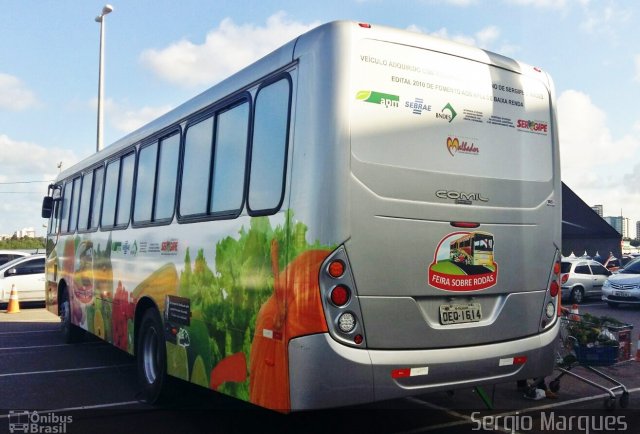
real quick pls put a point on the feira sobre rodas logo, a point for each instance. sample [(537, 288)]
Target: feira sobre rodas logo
[(464, 261)]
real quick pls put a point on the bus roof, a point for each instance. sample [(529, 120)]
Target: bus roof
[(284, 56)]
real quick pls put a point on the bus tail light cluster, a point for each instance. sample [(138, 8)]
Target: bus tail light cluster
[(340, 300), (552, 298)]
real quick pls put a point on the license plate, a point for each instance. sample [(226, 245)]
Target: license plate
[(460, 313), (622, 294)]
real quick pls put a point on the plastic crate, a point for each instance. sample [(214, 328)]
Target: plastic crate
[(623, 336), (596, 356)]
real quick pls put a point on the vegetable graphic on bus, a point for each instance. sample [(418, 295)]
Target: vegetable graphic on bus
[(464, 261)]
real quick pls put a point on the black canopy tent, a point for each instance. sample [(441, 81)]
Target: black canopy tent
[(585, 231)]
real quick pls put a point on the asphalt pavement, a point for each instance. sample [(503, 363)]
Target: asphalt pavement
[(91, 387)]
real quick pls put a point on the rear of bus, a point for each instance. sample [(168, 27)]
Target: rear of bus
[(450, 266)]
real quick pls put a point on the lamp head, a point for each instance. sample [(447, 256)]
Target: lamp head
[(107, 9)]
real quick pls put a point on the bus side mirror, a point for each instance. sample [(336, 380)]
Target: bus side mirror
[(47, 207)]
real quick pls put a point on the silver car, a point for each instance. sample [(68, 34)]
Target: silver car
[(624, 286), (582, 278)]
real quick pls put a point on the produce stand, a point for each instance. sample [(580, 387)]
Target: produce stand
[(589, 341)]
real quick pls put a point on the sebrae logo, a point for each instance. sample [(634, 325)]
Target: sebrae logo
[(454, 145), (380, 98)]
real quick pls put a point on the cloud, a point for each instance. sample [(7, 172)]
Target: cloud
[(487, 38), (594, 162), (551, 4), (126, 119), (14, 95), (636, 62), (225, 50), (24, 161)]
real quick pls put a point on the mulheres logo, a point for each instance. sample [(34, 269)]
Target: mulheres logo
[(385, 99), (464, 146)]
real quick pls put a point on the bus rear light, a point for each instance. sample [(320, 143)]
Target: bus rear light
[(340, 295), (556, 268), (554, 288), (347, 322), (336, 269), (551, 310), (365, 25), (465, 225), (340, 300)]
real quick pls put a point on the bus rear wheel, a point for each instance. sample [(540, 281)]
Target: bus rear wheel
[(71, 333), (151, 355)]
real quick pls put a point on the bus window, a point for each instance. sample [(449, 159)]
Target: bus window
[(268, 153), (110, 194), (195, 170), (145, 182), (230, 159), (75, 201), (98, 179), (85, 201), (166, 177), (125, 189), (66, 199)]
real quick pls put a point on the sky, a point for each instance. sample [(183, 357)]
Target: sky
[(160, 53)]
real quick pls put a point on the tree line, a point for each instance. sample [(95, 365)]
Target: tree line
[(23, 243)]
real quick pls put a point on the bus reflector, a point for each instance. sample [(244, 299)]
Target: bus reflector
[(518, 360), (409, 372), (357, 339)]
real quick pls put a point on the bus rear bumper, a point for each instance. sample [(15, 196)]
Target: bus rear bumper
[(326, 374)]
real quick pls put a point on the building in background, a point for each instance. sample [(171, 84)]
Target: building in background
[(598, 210), (620, 224), (26, 233), (638, 230)]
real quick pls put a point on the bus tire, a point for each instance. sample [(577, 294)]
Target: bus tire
[(71, 333), (151, 358)]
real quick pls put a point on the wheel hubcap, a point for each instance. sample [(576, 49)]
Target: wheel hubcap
[(149, 355)]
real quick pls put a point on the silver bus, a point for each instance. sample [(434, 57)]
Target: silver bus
[(285, 237)]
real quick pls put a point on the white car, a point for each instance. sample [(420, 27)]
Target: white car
[(624, 286), (27, 275), (10, 255)]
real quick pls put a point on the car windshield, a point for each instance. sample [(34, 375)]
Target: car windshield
[(632, 267)]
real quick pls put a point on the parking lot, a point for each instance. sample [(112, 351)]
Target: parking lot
[(92, 387)]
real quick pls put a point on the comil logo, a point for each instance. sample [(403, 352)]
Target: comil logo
[(533, 126)]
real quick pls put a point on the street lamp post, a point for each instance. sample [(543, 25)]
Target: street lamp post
[(107, 9)]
